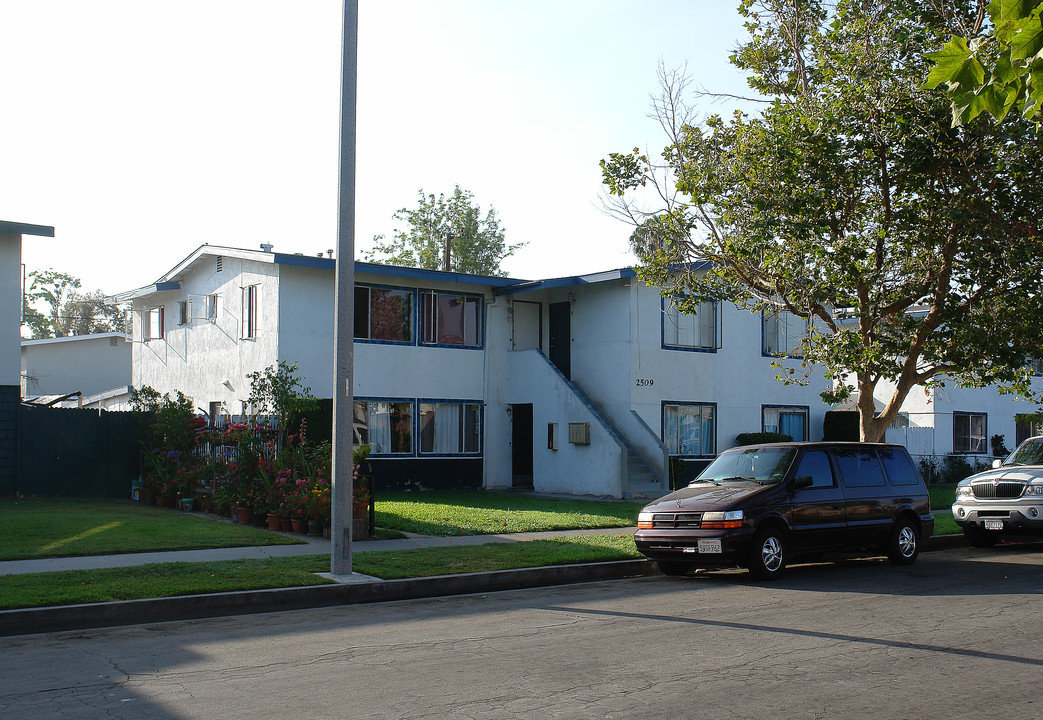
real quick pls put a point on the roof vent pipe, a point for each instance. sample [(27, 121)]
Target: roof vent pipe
[(267, 247)]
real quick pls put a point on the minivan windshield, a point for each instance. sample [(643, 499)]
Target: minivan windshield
[(1029, 452), (765, 465)]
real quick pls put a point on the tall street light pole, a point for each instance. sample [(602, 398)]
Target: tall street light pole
[(343, 333)]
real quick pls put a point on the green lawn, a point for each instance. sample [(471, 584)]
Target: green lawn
[(170, 579), (44, 527), (447, 513), (942, 495)]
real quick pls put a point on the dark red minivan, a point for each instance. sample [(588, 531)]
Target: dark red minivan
[(762, 506)]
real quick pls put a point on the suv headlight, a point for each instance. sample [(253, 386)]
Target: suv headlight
[(1034, 489), (963, 490)]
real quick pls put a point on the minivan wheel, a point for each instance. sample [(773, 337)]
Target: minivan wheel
[(979, 538), (671, 567), (904, 545), (768, 556)]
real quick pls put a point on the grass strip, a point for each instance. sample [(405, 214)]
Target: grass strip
[(46, 527), (447, 513), (172, 579), (942, 495)]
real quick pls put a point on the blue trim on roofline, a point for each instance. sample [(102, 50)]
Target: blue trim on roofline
[(570, 281), (395, 270)]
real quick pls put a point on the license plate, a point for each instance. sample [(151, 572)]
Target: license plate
[(993, 524), (710, 546)]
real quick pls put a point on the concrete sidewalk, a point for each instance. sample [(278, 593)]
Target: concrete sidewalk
[(313, 546)]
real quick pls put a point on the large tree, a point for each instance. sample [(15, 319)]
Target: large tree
[(66, 310), (912, 247), (475, 244)]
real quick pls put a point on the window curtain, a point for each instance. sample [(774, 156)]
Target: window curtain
[(689, 428), (792, 423), (377, 417), (447, 428)]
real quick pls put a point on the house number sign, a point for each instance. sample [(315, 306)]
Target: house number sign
[(644, 382)]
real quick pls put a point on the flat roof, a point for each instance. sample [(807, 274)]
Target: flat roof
[(15, 228)]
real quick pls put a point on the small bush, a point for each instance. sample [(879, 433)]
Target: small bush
[(757, 438)]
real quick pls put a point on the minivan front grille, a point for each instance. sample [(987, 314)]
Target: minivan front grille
[(1001, 489), (672, 521)]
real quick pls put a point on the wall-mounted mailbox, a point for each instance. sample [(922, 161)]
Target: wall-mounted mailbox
[(579, 433)]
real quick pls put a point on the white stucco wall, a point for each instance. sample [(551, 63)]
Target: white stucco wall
[(594, 469), (209, 361), (89, 364), (10, 307)]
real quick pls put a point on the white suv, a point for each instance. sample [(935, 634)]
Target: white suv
[(1006, 501)]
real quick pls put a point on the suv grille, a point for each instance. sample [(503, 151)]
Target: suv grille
[(680, 520), (1002, 489)]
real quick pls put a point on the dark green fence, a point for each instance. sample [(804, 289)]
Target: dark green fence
[(71, 452)]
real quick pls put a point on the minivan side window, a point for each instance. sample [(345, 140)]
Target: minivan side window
[(816, 465), (859, 468), (898, 466)]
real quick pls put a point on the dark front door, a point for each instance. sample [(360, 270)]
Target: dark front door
[(521, 445), (561, 337)]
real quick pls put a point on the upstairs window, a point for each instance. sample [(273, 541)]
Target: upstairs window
[(450, 319), (383, 314), (211, 307), (183, 312), (692, 331), (154, 323), (968, 432), (782, 333), (251, 311)]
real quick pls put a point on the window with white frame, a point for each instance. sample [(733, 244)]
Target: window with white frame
[(183, 312), (154, 323), (450, 319), (689, 429), (786, 420), (211, 307), (782, 333), (969, 432), (385, 425), (251, 310), (450, 428), (695, 331), (384, 314)]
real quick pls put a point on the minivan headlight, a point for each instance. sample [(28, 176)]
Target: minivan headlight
[(722, 520)]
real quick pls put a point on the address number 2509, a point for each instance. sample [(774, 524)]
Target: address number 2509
[(644, 382)]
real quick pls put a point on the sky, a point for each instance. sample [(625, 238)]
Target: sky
[(142, 130)]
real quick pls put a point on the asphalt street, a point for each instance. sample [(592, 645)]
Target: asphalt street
[(956, 634)]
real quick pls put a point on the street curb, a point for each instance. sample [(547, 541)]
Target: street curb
[(29, 621)]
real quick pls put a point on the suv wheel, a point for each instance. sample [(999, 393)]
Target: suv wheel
[(904, 545), (768, 554), (671, 567), (979, 538)]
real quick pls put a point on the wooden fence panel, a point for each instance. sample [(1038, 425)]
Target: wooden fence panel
[(73, 452)]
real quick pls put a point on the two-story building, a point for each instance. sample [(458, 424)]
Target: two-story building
[(584, 385)]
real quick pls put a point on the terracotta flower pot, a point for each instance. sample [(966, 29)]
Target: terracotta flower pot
[(274, 522)]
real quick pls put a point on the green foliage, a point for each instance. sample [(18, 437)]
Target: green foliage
[(850, 200), (995, 68), (840, 426), (476, 244), (173, 419), (68, 312), (277, 391), (757, 438), (999, 446)]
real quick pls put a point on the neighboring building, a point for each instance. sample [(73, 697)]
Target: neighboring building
[(942, 420), (583, 385), (10, 337), (90, 365)]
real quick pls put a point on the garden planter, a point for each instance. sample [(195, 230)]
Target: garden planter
[(161, 501), (146, 497), (295, 525), (186, 504), (274, 522), (360, 528), (315, 528), (243, 515)]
